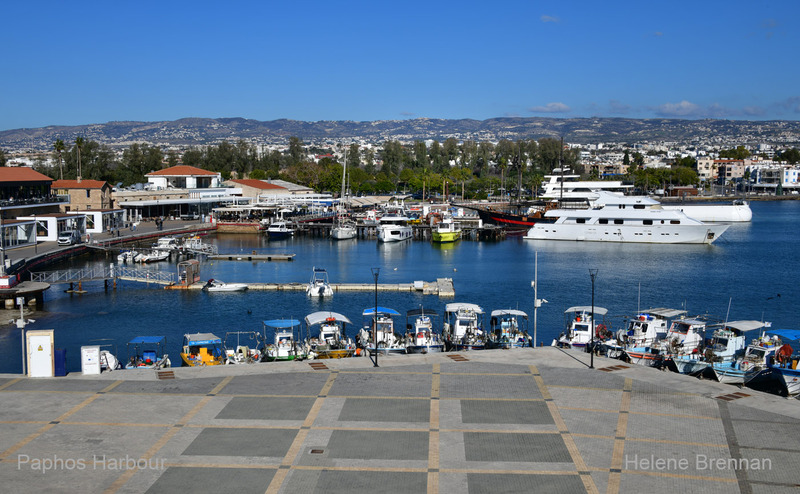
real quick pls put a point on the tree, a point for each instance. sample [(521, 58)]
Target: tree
[(791, 156), (3, 158), (79, 142), (739, 153), (296, 153), (59, 146)]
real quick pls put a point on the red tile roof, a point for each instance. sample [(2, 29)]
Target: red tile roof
[(257, 184), (74, 184), (21, 174), (181, 171)]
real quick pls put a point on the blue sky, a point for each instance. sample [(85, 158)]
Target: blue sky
[(82, 62)]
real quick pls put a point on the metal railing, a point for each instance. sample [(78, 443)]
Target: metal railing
[(104, 273)]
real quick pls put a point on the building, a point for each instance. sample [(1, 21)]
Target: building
[(184, 177), (84, 194), (254, 188)]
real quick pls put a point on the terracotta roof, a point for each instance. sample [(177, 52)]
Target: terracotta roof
[(181, 170), (257, 184), (74, 184), (21, 174)]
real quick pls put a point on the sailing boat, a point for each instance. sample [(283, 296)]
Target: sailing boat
[(343, 228)]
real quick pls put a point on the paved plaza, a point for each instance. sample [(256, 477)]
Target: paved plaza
[(499, 421)]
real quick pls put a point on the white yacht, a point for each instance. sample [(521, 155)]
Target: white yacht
[(614, 218), (394, 229), (737, 211), (570, 187)]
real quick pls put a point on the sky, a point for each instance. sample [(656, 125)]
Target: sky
[(85, 62)]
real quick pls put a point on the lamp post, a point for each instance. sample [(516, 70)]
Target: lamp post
[(593, 274), (537, 302), (375, 273)]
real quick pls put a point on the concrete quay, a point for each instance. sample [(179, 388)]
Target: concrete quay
[(522, 420)]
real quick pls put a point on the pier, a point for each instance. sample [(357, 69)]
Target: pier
[(443, 287)]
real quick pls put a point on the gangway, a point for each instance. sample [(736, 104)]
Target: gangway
[(98, 273)]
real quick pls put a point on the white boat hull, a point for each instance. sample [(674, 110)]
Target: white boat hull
[(661, 234), (715, 213), (343, 233), (394, 233)]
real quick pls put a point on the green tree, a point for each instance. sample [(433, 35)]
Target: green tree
[(79, 142), (791, 156), (739, 153), (296, 153), (3, 158), (59, 147)]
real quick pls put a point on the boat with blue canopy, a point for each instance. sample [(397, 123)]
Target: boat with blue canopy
[(147, 352), (286, 345), (379, 329), (200, 349)]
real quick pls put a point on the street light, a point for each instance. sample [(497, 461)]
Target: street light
[(375, 273), (537, 302), (593, 274)]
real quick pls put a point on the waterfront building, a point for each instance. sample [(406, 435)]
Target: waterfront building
[(84, 194)]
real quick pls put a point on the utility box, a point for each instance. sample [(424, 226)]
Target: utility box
[(39, 351), (90, 360)]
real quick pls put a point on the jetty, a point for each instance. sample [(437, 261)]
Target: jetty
[(443, 287)]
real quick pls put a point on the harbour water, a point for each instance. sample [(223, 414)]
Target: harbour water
[(753, 266)]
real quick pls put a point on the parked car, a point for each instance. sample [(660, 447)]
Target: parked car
[(69, 237)]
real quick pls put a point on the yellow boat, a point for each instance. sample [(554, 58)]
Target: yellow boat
[(446, 231), (201, 349)]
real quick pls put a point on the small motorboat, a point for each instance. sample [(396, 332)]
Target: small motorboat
[(214, 285), (319, 286), (153, 256)]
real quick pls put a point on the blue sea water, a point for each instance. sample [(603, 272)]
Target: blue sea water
[(752, 269)]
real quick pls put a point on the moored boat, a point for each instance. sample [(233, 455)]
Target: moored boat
[(581, 329), (246, 349), (727, 342), (215, 285), (463, 327), (421, 336), (147, 352), (751, 365), (319, 285), (379, 330), (331, 341), (286, 345), (509, 329), (201, 349), (446, 230)]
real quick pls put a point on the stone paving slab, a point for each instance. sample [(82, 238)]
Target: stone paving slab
[(212, 480)]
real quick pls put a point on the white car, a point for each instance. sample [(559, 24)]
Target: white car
[(69, 237)]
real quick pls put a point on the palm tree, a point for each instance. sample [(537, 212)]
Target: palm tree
[(59, 147), (79, 142)]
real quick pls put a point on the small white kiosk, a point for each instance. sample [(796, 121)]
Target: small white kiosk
[(41, 358)]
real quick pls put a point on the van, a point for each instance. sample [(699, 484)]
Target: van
[(69, 237)]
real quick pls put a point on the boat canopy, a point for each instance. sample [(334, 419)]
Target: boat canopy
[(790, 334), (745, 326), (457, 306), (512, 312), (421, 312), (324, 315), (587, 308), (282, 323), (381, 311), (664, 312), (202, 339), (699, 322), (151, 340)]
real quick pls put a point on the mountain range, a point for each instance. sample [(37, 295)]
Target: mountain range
[(202, 131)]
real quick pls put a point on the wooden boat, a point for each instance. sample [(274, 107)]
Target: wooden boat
[(509, 329), (331, 341), (201, 349), (246, 349), (147, 352), (463, 327), (421, 336), (379, 327), (285, 346)]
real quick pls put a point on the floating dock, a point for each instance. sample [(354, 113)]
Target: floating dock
[(252, 257), (442, 287)]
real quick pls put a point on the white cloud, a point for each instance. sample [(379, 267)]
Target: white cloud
[(682, 109), (551, 108), (550, 18)]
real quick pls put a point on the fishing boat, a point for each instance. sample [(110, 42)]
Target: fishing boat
[(751, 365), (286, 345), (786, 364), (509, 329), (128, 256), (684, 338), (147, 352), (201, 349), (625, 219), (580, 328), (215, 285), (463, 327), (728, 341), (379, 328), (421, 336), (633, 342), (319, 285), (331, 341), (446, 230), (243, 347)]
